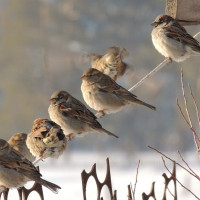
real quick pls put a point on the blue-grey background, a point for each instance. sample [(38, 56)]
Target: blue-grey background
[(43, 47)]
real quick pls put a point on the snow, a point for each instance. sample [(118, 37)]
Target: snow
[(66, 172)]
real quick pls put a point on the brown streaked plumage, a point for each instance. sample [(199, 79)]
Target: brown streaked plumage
[(111, 63), (46, 139), (103, 94), (73, 116), (16, 170), (18, 142), (172, 40)]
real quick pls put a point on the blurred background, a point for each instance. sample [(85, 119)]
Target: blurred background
[(44, 46)]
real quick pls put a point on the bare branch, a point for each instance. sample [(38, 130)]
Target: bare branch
[(156, 69), (185, 100), (196, 35), (189, 122), (195, 104), (188, 166), (174, 161), (186, 120), (138, 165), (178, 180), (170, 192)]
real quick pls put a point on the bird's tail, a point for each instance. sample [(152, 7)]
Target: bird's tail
[(139, 102), (53, 187), (102, 130)]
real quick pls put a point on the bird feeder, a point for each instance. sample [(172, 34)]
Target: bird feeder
[(188, 10)]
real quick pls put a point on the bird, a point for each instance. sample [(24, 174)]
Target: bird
[(171, 39), (112, 62), (73, 116), (16, 170), (104, 95), (18, 142), (46, 139)]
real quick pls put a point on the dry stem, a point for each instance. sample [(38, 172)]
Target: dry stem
[(156, 69), (178, 180), (190, 172), (138, 165), (188, 119)]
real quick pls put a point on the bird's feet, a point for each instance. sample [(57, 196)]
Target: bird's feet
[(100, 113), (70, 136)]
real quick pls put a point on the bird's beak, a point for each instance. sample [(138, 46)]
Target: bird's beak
[(52, 100), (154, 24), (84, 77)]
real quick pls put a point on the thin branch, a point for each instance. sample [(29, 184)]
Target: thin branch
[(188, 166), (178, 180), (188, 113), (174, 161), (133, 193), (180, 109), (195, 104), (185, 100), (170, 192), (196, 35), (156, 69)]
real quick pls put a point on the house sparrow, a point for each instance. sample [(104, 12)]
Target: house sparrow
[(73, 116), (103, 94), (46, 139), (111, 63), (18, 142), (172, 40), (16, 170)]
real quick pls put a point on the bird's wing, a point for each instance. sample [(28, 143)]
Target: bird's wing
[(77, 110), (14, 160), (108, 85), (180, 34)]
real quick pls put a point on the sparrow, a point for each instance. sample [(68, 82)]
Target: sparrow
[(104, 95), (46, 139), (111, 63), (73, 116), (171, 39), (16, 170), (18, 142)]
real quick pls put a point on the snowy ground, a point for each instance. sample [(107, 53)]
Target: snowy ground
[(66, 172)]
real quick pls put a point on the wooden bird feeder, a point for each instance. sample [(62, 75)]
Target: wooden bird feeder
[(188, 10)]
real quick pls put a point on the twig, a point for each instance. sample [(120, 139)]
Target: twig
[(156, 69), (178, 180), (174, 161), (180, 109), (185, 100), (188, 113), (196, 35), (188, 166), (170, 192), (195, 104), (133, 193)]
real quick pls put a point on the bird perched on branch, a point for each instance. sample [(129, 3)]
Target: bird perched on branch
[(104, 95), (73, 116), (46, 139), (18, 142), (111, 63), (172, 40), (16, 170)]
